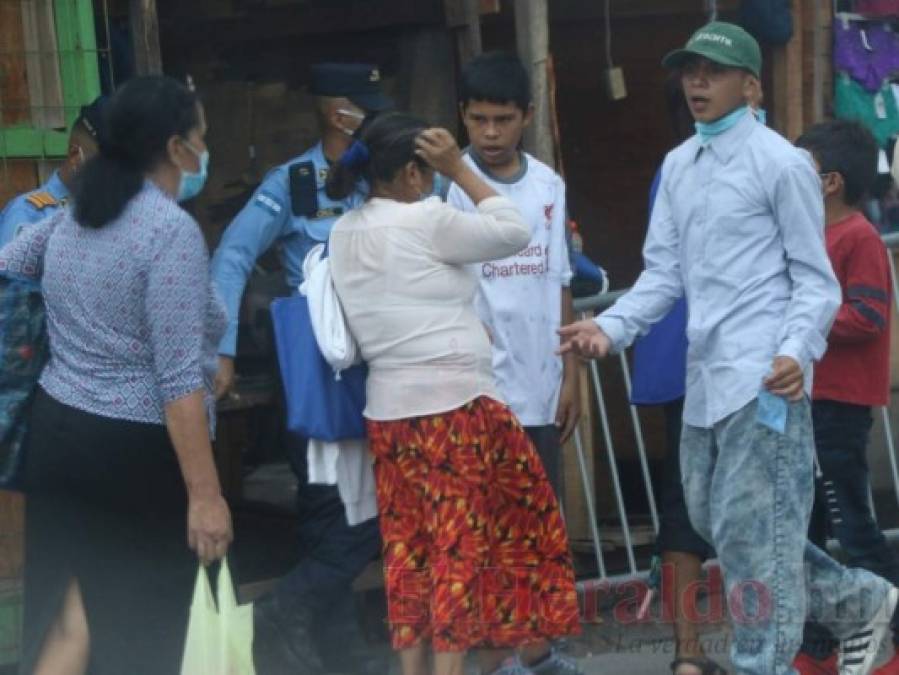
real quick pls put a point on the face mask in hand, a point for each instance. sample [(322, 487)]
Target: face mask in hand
[(192, 183)]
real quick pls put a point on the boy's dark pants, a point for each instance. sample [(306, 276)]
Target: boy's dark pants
[(547, 442), (841, 504), (676, 533)]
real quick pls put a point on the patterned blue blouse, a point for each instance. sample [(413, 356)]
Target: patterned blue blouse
[(133, 319)]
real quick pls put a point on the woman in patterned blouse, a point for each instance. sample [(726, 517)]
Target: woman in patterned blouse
[(120, 454)]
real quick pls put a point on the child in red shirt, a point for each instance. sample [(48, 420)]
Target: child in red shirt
[(854, 374)]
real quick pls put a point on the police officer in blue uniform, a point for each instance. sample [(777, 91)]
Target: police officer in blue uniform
[(291, 210), (290, 207), (41, 203)]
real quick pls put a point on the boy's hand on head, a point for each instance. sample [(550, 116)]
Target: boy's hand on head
[(786, 379), (439, 149), (584, 338), (569, 411)]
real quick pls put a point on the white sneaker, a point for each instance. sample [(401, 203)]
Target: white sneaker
[(859, 651)]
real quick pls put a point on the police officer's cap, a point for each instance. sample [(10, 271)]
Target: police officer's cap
[(92, 117), (359, 82)]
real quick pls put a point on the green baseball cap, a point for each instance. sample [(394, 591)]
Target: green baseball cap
[(723, 43)]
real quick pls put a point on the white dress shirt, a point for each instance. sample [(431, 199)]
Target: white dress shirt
[(738, 227)]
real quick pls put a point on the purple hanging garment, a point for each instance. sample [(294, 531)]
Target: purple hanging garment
[(867, 52)]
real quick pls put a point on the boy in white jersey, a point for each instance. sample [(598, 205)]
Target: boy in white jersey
[(522, 299)]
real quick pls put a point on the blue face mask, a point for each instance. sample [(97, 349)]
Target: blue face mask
[(192, 183), (708, 130), (761, 115), (440, 187)]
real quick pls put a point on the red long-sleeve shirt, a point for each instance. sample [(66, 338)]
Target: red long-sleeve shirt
[(856, 367)]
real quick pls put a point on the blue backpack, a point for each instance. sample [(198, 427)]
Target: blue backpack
[(24, 351)]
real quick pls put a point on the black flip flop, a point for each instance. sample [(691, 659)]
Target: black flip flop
[(706, 666)]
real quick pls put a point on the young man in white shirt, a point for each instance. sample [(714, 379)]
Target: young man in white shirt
[(738, 227), (523, 298)]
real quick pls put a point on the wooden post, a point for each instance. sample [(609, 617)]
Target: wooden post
[(532, 38), (816, 60), (473, 27), (465, 16), (577, 521), (145, 37), (426, 52), (788, 99)]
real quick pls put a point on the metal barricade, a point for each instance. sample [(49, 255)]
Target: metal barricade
[(589, 306)]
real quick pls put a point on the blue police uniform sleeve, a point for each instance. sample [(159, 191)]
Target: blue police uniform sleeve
[(13, 216), (252, 232)]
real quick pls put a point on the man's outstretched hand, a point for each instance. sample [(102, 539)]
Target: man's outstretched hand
[(584, 338)]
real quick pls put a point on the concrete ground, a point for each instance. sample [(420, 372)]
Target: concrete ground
[(265, 551), (640, 650), (650, 650)]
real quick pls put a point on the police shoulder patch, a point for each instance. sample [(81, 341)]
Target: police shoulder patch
[(268, 202), (41, 200)]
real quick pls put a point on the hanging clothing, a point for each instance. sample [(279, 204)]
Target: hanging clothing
[(877, 8), (878, 112), (867, 52)]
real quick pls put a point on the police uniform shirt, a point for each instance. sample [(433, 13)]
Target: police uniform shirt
[(32, 207), (269, 218)]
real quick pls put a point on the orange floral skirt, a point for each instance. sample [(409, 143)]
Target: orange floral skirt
[(475, 550)]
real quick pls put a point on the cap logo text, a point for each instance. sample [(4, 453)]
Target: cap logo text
[(714, 37)]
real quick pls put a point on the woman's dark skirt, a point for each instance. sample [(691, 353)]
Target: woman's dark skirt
[(106, 505)]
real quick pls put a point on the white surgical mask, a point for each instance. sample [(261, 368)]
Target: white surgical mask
[(354, 115)]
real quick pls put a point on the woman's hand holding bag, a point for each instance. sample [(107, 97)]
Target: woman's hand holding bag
[(209, 530), (219, 638)]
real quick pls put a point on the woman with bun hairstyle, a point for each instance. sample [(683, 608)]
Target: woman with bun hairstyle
[(475, 551)]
